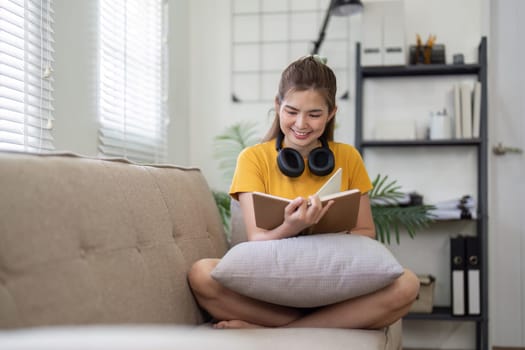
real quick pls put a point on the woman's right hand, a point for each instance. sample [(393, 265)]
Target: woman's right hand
[(302, 213), (298, 215)]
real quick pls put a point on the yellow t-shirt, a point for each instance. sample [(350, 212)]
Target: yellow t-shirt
[(257, 171)]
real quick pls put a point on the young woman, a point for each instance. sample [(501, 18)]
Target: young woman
[(295, 158)]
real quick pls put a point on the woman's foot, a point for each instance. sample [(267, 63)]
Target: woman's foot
[(235, 324)]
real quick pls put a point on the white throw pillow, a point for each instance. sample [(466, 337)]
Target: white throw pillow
[(308, 271)]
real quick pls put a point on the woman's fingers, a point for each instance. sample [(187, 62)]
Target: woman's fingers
[(306, 212)]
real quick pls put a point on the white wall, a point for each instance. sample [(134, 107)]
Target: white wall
[(210, 81)]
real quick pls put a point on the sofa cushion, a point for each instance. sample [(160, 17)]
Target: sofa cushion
[(308, 271), (86, 240), (200, 338)]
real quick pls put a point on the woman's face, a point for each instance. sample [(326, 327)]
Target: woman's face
[(303, 116)]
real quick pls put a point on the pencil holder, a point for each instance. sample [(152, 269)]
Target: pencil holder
[(427, 55)]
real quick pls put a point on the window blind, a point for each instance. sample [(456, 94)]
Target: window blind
[(26, 59), (133, 79)]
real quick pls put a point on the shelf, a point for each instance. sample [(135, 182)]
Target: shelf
[(450, 146), (453, 220), (419, 70), (425, 143), (441, 313)]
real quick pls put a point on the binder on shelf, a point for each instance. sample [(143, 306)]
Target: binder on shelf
[(457, 283), (383, 34), (473, 275), (393, 33), (372, 47)]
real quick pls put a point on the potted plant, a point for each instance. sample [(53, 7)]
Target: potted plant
[(389, 216)]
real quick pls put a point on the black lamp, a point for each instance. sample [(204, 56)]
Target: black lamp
[(337, 8)]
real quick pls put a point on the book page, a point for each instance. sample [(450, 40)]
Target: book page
[(333, 185)]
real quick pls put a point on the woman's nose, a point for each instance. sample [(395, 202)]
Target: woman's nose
[(300, 121)]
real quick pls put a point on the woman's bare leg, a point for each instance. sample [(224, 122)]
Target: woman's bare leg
[(371, 311), (224, 304)]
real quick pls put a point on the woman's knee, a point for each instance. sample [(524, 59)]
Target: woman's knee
[(199, 276), (408, 287)]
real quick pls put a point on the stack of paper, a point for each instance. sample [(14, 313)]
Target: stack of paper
[(455, 209)]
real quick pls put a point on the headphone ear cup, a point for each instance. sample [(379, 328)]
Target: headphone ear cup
[(321, 161), (290, 162)]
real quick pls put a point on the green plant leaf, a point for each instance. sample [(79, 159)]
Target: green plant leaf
[(222, 200), (230, 143), (412, 218), (387, 194)]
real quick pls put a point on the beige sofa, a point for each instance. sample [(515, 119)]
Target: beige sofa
[(94, 255)]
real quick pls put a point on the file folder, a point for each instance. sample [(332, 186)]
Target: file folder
[(457, 261), (473, 275), (372, 48)]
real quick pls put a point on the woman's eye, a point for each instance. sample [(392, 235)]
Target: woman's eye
[(291, 112), (315, 115)]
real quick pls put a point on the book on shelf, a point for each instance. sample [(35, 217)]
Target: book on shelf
[(476, 109), (467, 110), (458, 132), (342, 215)]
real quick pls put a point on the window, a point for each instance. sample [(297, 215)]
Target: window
[(26, 60), (133, 79)]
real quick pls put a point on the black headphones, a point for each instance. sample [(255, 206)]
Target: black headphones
[(320, 160)]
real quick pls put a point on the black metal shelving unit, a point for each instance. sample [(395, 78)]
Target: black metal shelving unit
[(442, 313)]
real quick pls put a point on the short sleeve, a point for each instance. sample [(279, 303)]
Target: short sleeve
[(248, 174)]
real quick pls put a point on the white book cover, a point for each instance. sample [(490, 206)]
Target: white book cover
[(466, 110), (458, 133), (476, 110)]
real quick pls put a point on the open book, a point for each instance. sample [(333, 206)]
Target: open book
[(342, 215)]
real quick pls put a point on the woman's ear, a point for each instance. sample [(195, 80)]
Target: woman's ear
[(277, 104), (332, 114)]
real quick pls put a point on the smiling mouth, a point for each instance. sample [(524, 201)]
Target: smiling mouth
[(300, 134)]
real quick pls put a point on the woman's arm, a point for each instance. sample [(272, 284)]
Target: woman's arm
[(365, 222), (298, 216)]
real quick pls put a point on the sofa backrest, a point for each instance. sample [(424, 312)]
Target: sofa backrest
[(87, 240), (237, 227)]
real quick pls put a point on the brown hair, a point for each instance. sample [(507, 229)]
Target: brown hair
[(306, 73)]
